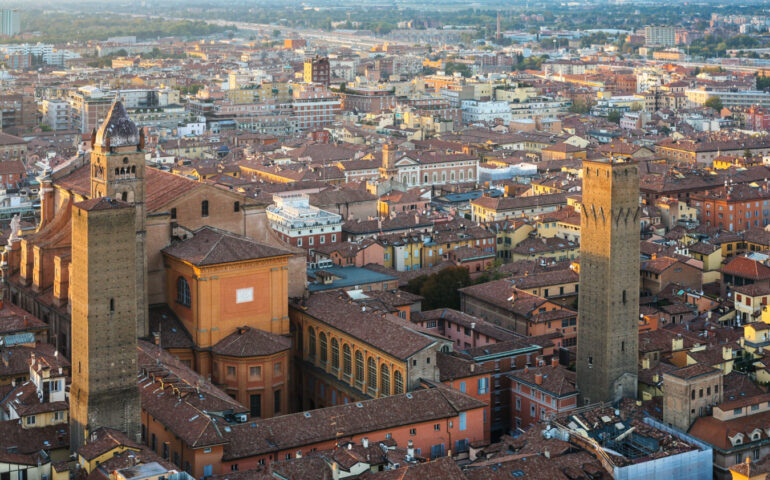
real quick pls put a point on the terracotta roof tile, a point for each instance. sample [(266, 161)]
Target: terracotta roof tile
[(211, 246), (251, 342)]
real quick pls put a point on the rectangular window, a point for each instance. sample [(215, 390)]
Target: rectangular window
[(462, 421), (277, 402), (255, 405), (173, 214), (462, 387), (334, 237), (255, 373), (483, 385), (230, 371), (236, 206), (30, 420), (277, 370), (437, 427)]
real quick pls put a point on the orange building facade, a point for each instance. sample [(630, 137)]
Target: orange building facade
[(229, 293)]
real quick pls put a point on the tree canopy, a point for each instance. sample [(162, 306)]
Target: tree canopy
[(715, 103), (439, 290)]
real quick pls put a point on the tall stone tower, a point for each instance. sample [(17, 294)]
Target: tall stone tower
[(117, 171), (108, 290), (104, 391), (608, 300)]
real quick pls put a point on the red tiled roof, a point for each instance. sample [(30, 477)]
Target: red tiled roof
[(251, 342), (747, 268), (161, 187), (211, 246)]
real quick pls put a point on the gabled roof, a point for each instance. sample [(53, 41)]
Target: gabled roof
[(251, 342), (747, 268), (161, 187), (211, 246)]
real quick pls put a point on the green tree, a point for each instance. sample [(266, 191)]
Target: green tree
[(415, 285), (715, 103), (747, 153), (276, 33), (614, 116), (440, 290), (579, 105), (452, 67)]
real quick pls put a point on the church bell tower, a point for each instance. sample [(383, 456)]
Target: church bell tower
[(117, 171)]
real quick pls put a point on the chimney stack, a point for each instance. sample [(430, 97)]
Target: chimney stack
[(365, 442), (538, 378)]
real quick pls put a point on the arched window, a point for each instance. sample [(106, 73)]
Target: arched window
[(183, 292), (311, 342), (124, 196), (205, 208), (384, 380), (452, 176), (371, 373), (470, 174), (335, 353), (398, 382), (434, 177), (133, 169), (359, 367), (443, 177), (323, 347), (117, 171), (346, 360), (462, 175)]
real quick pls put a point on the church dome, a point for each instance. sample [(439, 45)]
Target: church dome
[(117, 130)]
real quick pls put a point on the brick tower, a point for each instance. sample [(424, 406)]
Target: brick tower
[(608, 300), (104, 392), (107, 284), (117, 171)]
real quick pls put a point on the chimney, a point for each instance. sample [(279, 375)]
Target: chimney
[(156, 338), (335, 471), (554, 361), (365, 442), (538, 379), (410, 449)]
